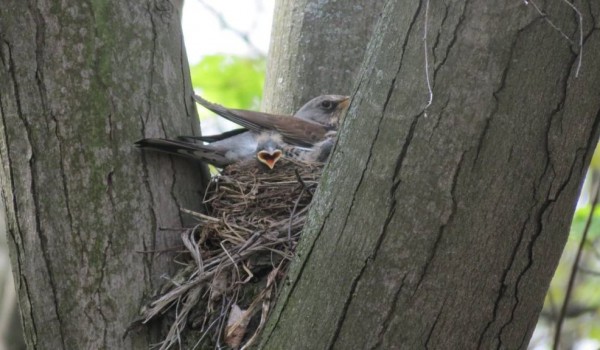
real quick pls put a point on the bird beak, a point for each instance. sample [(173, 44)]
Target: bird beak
[(342, 106), (340, 112), (269, 158)]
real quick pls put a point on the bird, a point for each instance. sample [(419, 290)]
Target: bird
[(325, 110), (295, 131), (270, 136)]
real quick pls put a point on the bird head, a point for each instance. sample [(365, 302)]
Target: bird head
[(324, 109)]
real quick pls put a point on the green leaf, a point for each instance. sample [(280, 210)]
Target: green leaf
[(232, 81)]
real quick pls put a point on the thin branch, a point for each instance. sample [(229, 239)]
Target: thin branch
[(224, 24), (563, 309)]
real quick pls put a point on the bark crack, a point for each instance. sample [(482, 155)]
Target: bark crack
[(579, 154), (391, 210), (147, 259), (342, 316), (360, 180), (460, 22), (185, 79), (39, 53), (385, 104), (503, 283), (442, 228), (496, 107), (435, 322), (538, 231), (111, 129), (439, 119), (439, 34), (149, 96), (63, 177), (99, 294), (547, 167), (389, 315), (172, 191), (11, 230)]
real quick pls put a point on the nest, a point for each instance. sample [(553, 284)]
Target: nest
[(236, 255)]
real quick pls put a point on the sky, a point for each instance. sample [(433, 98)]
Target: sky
[(204, 34), (214, 27)]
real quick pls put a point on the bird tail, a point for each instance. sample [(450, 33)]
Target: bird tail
[(185, 149)]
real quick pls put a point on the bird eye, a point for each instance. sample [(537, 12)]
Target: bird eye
[(327, 104)]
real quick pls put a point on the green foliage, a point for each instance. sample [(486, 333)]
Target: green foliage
[(579, 220), (585, 292), (233, 81)]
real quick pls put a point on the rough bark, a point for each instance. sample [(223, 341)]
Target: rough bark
[(81, 81), (441, 227), (316, 48)]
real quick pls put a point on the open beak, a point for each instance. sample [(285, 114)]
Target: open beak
[(269, 158)]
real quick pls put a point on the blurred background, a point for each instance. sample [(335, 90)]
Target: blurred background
[(227, 47)]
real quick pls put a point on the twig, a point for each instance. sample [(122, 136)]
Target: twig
[(224, 24), (563, 309), (302, 182), (188, 241), (199, 215), (211, 325)]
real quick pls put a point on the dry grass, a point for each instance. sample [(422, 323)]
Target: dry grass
[(236, 255)]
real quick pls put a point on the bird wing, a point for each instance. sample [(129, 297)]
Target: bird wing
[(214, 138), (293, 130), (297, 131)]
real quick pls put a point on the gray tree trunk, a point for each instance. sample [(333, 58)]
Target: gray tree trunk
[(441, 226), (80, 82), (316, 48)]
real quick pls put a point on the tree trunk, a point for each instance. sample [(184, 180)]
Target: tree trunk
[(316, 48), (81, 81), (440, 226)]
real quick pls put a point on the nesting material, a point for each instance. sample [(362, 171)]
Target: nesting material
[(236, 255)]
